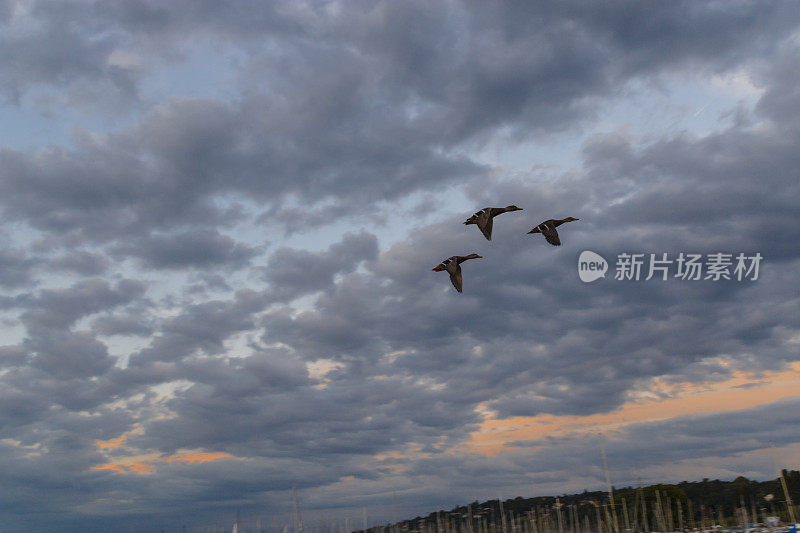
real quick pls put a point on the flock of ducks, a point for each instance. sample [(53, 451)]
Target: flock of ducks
[(483, 219)]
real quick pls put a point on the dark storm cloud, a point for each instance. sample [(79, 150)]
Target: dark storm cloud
[(100, 193), (268, 407), (511, 59), (344, 109), (748, 430), (59, 442), (700, 192), (654, 452), (527, 336), (201, 148), (641, 445), (55, 365), (368, 111)]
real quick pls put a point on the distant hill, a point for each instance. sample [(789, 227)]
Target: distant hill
[(663, 507)]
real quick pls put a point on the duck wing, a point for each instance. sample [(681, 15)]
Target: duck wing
[(455, 278), (550, 234), (485, 225)]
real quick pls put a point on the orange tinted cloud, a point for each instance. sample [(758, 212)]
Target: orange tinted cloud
[(111, 443), (146, 464), (116, 442), (124, 468), (198, 457), (661, 400)]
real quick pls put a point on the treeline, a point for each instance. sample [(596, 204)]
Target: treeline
[(663, 507)]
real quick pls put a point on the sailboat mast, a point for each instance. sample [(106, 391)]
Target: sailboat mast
[(608, 483), (298, 523), (789, 503), (502, 513)]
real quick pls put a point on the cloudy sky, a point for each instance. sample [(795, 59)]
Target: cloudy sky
[(219, 221)]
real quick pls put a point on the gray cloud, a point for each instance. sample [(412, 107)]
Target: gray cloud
[(79, 262), (130, 323), (60, 308), (70, 355), (61, 47), (201, 248), (292, 273), (12, 356), (202, 327), (15, 268), (340, 112), (379, 125), (541, 336)]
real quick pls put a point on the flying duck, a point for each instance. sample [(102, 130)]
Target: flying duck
[(453, 267), (483, 218), (548, 229)]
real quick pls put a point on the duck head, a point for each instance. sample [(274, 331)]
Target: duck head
[(443, 265), (571, 219), (513, 208)]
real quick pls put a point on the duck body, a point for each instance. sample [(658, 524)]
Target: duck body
[(548, 229), (452, 265), (483, 218)]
